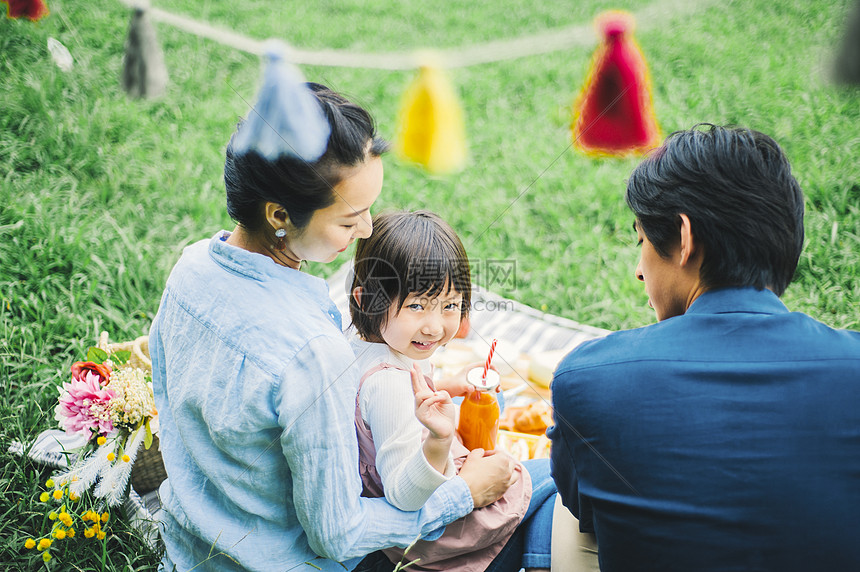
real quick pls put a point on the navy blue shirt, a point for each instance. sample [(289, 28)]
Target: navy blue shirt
[(727, 438)]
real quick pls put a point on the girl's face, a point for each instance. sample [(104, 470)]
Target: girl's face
[(332, 229), (423, 324)]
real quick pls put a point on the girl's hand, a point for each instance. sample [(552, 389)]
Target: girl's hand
[(457, 385), (434, 409)]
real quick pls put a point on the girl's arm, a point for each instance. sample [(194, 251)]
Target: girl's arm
[(388, 407), (435, 410)]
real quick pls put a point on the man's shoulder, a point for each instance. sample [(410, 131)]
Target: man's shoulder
[(617, 347), (716, 337)]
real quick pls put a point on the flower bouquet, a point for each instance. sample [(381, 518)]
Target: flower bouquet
[(108, 402), (107, 407)]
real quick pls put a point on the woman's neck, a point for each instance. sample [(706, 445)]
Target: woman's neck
[(254, 242)]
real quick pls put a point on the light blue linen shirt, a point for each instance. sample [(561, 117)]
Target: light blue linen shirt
[(255, 386)]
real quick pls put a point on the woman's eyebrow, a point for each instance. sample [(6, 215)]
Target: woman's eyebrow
[(357, 213)]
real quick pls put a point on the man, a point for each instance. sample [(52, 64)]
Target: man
[(727, 435)]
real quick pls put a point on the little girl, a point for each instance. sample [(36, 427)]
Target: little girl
[(411, 289)]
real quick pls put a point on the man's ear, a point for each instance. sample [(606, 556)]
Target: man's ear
[(689, 246), (356, 295)]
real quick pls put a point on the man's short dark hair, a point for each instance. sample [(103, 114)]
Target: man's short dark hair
[(744, 205)]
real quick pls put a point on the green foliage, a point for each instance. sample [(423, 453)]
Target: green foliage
[(99, 193)]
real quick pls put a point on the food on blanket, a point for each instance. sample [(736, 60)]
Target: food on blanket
[(533, 418), (455, 356), (522, 447), (517, 446), (479, 413), (509, 417), (543, 365)]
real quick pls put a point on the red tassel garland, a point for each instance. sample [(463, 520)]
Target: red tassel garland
[(614, 114), (30, 9)]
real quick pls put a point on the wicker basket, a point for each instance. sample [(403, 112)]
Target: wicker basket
[(148, 470), (139, 349)]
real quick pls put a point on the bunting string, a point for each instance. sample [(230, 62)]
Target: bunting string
[(431, 131), (578, 36)]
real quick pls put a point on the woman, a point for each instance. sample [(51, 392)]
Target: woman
[(255, 383)]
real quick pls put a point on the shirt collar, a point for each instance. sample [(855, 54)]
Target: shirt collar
[(262, 268), (743, 300)]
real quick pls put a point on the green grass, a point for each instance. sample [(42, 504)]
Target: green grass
[(100, 193)]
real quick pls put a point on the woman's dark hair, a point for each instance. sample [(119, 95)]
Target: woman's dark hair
[(298, 186), (408, 253), (744, 205)]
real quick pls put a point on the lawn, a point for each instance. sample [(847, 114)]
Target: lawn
[(100, 193)]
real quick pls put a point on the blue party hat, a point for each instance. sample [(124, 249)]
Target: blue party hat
[(287, 119)]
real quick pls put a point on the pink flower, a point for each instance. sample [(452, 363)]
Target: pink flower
[(84, 406)]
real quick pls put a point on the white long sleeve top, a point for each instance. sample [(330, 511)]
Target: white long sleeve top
[(388, 407)]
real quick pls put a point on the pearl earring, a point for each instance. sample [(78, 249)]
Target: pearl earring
[(280, 234)]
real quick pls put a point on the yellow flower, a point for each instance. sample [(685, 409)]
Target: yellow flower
[(29, 543), (46, 556), (52, 515), (101, 441), (70, 533), (65, 518), (59, 534), (73, 497), (44, 496), (58, 494), (111, 457), (126, 458), (89, 532), (44, 543), (49, 483), (105, 516), (101, 535)]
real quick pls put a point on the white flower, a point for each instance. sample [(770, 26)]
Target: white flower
[(133, 400)]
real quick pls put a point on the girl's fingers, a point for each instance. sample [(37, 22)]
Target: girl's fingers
[(419, 384), (437, 399)]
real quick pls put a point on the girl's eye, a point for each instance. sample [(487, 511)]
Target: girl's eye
[(349, 225), (417, 307), (453, 306)]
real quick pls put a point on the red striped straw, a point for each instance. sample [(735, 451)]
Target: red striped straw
[(489, 360)]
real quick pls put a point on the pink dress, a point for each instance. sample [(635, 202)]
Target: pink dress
[(468, 544)]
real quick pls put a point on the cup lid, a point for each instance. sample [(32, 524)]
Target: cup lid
[(486, 384)]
